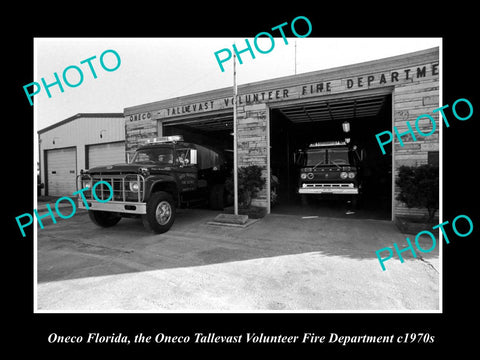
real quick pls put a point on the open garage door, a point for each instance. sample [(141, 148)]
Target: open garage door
[(214, 130), (296, 125), (61, 171), (105, 154)]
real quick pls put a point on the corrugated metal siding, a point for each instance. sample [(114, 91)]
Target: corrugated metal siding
[(78, 132), (85, 131), (106, 154)]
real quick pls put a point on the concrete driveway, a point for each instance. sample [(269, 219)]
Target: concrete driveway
[(282, 262)]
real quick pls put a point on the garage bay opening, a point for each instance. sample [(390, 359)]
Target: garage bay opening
[(214, 132), (326, 158)]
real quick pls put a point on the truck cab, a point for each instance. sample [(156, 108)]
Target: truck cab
[(163, 174), (328, 168)]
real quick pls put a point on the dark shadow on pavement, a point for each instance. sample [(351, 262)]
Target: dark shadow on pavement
[(75, 247)]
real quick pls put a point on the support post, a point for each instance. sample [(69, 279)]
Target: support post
[(235, 150)]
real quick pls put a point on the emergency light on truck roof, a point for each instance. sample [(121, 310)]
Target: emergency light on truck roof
[(165, 139), (327, 143)]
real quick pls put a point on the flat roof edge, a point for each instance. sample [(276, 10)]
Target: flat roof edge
[(287, 81)]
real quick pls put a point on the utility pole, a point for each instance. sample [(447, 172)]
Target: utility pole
[(235, 160)]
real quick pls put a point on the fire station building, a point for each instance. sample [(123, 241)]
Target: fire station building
[(277, 116), (274, 119)]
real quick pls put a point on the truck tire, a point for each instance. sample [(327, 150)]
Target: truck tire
[(216, 199), (104, 218), (160, 212)]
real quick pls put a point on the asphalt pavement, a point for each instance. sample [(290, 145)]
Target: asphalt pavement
[(279, 263)]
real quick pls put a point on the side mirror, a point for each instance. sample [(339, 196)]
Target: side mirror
[(193, 156)]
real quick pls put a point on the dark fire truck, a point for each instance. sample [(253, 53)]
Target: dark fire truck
[(329, 168), (163, 174)]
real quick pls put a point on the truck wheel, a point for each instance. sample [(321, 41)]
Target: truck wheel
[(103, 218), (217, 194), (160, 213)]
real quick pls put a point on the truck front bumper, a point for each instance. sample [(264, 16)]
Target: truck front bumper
[(114, 206), (124, 200), (328, 188)]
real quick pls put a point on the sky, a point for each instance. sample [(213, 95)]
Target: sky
[(154, 69)]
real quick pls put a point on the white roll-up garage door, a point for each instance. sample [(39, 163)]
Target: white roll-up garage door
[(61, 171), (106, 154)]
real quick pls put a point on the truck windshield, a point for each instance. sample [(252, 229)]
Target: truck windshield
[(338, 156), (162, 155), (318, 157)]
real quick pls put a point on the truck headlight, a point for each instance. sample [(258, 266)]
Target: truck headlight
[(343, 175), (87, 184), (134, 186), (310, 176), (351, 175), (303, 176)]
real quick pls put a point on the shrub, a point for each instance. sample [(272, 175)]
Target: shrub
[(250, 181), (419, 187)]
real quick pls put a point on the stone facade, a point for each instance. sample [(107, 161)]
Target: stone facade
[(252, 143), (138, 131), (412, 80), (410, 101)]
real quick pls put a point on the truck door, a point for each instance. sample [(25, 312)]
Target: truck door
[(187, 172)]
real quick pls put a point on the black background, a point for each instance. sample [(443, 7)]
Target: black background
[(454, 329)]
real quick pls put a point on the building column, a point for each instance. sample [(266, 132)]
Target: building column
[(253, 141)]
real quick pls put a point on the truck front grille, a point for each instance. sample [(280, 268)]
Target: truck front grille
[(120, 184)]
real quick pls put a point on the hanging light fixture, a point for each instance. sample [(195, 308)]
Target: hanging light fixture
[(346, 126)]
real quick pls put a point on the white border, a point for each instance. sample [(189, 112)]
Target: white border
[(120, 311), (36, 155)]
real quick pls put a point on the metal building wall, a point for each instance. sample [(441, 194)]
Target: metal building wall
[(79, 131)]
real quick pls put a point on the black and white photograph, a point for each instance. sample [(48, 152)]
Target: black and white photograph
[(337, 171), (218, 179)]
